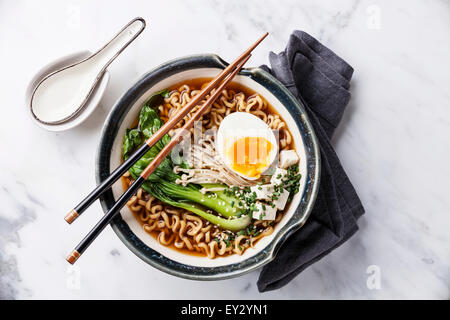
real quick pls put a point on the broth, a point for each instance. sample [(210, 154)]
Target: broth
[(196, 84)]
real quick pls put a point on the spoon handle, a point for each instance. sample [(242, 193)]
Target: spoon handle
[(116, 45)]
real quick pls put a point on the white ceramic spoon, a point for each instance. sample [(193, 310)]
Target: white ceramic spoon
[(62, 94)]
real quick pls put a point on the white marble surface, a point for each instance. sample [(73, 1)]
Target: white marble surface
[(393, 142)]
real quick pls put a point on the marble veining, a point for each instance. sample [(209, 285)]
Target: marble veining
[(393, 143)]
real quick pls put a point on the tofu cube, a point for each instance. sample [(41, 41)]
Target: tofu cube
[(268, 214), (278, 175), (288, 158), (263, 192), (280, 203)]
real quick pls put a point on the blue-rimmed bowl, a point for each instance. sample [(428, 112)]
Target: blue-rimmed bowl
[(165, 258)]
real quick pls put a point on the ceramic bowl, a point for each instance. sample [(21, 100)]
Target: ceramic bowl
[(92, 102), (169, 260)]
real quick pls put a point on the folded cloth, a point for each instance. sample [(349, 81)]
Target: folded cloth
[(318, 78)]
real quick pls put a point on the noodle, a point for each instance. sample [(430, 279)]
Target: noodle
[(184, 230)]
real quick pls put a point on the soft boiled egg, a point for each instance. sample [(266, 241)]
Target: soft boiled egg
[(246, 144)]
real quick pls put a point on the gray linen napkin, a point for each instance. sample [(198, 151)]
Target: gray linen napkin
[(321, 80)]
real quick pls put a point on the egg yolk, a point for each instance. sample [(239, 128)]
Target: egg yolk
[(250, 156)]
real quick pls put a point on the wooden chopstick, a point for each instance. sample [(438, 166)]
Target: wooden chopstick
[(119, 171), (84, 244)]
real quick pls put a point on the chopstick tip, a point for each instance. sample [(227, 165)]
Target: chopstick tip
[(264, 36), (73, 257), (71, 216), (257, 42)]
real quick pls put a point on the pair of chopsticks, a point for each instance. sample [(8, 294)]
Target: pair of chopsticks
[(218, 84)]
